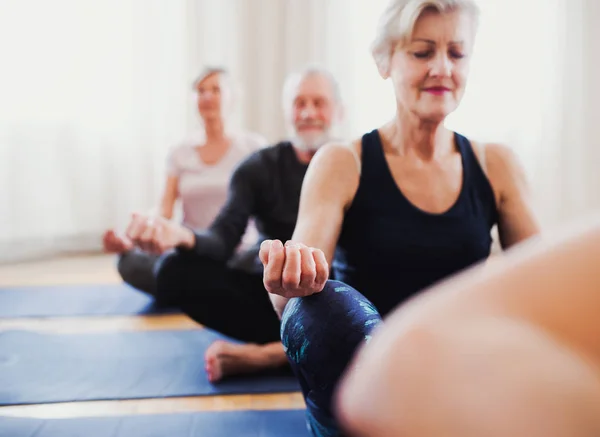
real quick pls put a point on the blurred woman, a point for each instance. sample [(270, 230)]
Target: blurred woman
[(198, 174)]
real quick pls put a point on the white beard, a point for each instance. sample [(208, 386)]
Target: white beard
[(311, 143)]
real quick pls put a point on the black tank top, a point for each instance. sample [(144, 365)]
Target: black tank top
[(389, 249)]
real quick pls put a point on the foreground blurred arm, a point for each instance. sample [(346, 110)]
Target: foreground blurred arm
[(512, 350)]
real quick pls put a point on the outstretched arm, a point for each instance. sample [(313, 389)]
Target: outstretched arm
[(507, 350)]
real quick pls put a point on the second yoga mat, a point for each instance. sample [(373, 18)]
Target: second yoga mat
[(76, 300), (41, 368)]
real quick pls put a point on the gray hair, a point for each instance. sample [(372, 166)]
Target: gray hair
[(230, 91), (398, 20), (294, 79), (209, 71)]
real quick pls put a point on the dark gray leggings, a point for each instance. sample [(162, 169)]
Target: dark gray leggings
[(136, 268)]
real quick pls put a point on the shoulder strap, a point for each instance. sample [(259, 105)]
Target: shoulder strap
[(356, 157)]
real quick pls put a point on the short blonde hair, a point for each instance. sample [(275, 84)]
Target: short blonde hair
[(398, 20), (230, 91), (210, 71)]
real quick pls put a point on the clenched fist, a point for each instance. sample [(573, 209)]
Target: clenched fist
[(157, 234), (293, 270)]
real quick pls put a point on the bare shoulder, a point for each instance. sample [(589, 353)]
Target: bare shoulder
[(342, 158), (501, 156), (504, 168), (334, 172)]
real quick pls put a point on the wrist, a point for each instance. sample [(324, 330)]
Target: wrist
[(188, 239)]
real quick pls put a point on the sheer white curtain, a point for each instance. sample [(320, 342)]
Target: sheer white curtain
[(526, 91), (93, 94), (568, 178)]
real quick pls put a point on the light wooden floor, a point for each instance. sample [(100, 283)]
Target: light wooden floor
[(100, 269)]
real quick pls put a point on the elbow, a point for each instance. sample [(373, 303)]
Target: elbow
[(211, 244)]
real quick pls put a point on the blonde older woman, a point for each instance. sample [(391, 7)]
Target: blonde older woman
[(198, 173), (402, 208)]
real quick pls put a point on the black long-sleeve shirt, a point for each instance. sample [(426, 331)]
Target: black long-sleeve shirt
[(265, 187)]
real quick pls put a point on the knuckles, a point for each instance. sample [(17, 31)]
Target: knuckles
[(290, 281)]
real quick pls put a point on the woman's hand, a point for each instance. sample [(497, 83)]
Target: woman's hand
[(157, 234), (293, 270)]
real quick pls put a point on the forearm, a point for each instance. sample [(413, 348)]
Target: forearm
[(315, 237), (162, 210), (169, 197), (279, 303), (205, 243), (166, 211)]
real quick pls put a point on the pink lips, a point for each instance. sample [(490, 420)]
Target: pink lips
[(437, 91)]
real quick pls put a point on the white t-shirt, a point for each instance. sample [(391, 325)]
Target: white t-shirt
[(203, 188)]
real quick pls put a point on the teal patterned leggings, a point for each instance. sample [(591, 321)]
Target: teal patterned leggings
[(320, 334)]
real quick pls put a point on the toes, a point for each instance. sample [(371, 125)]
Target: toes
[(211, 365)]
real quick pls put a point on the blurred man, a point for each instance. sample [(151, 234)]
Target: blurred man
[(206, 276)]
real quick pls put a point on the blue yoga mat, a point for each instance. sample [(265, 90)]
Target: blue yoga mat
[(40, 368), (285, 423), (76, 300)]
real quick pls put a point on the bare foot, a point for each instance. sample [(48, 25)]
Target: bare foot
[(112, 243), (225, 359)]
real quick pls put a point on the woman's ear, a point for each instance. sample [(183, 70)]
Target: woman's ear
[(382, 61)]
